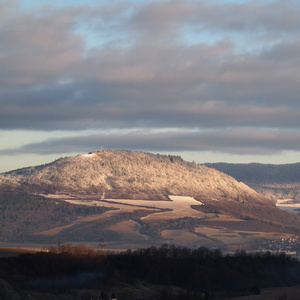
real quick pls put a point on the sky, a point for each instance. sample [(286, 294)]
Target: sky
[(212, 81)]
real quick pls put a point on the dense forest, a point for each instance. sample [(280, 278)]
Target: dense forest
[(167, 272)]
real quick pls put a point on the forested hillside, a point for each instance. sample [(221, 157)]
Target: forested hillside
[(130, 175)]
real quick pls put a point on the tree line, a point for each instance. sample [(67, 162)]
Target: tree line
[(165, 272)]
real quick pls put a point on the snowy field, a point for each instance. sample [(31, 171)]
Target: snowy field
[(180, 206)]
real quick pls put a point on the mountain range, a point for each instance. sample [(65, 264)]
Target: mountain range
[(129, 199)]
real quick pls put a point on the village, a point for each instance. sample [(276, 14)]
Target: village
[(290, 246)]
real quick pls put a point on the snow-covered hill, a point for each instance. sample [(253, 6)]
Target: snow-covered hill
[(130, 174)]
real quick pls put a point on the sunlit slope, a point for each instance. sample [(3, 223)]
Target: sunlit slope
[(129, 174)]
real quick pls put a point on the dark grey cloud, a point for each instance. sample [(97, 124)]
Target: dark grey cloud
[(76, 109), (152, 65), (234, 141)]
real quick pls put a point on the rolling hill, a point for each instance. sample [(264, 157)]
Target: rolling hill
[(122, 173)]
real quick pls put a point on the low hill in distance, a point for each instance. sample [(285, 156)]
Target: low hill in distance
[(129, 199), (273, 181)]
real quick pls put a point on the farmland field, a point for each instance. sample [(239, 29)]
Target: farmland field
[(133, 223)]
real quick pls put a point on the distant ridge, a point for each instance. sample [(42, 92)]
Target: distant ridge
[(273, 181), (260, 173)]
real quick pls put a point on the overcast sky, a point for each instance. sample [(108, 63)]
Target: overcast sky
[(208, 80)]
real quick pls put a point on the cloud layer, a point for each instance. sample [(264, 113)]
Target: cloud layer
[(184, 75)]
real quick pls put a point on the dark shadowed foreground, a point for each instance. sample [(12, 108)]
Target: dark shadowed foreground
[(168, 272)]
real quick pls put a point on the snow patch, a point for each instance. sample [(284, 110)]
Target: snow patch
[(185, 200), (91, 154)]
